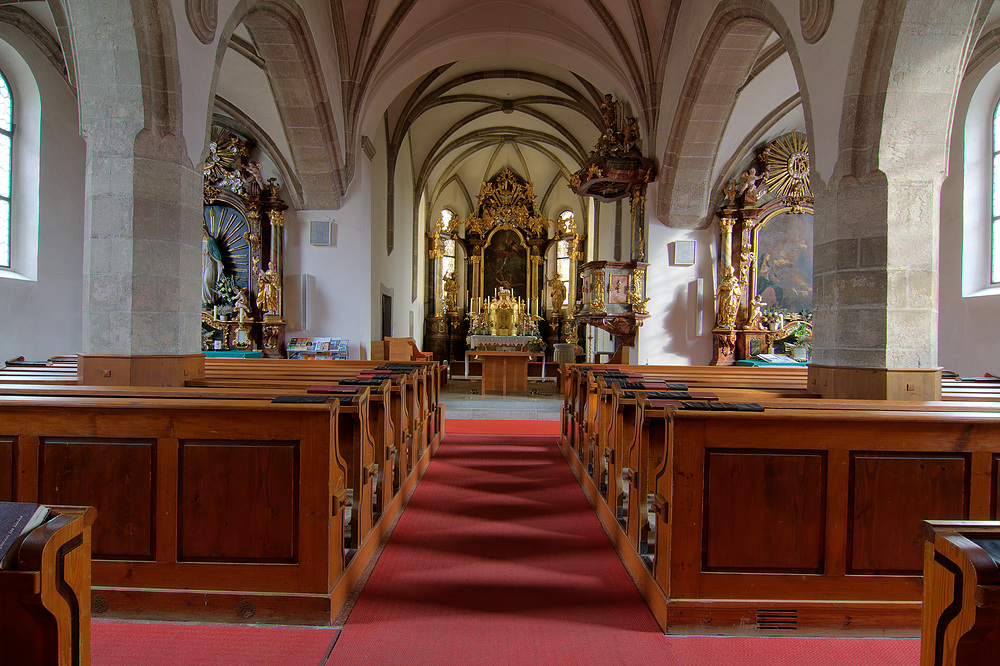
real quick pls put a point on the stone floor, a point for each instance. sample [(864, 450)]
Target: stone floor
[(462, 400)]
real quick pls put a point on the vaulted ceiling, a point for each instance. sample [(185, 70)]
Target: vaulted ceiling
[(461, 89)]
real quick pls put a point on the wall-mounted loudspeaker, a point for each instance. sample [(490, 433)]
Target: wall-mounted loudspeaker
[(307, 283), (696, 297), (322, 232)]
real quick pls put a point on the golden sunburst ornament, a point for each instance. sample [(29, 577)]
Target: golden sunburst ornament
[(787, 162)]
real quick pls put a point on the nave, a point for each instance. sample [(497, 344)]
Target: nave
[(498, 558)]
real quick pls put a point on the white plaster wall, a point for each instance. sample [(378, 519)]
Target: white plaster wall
[(669, 336), (43, 317), (969, 308), (340, 279), (392, 272)]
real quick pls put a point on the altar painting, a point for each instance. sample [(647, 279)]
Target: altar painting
[(785, 262), (505, 264)]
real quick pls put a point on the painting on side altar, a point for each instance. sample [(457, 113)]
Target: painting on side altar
[(505, 264), (784, 262)]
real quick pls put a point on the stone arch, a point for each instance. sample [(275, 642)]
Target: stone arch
[(291, 63), (719, 68), (883, 105)]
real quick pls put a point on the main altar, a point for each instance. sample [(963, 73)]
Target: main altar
[(503, 276)]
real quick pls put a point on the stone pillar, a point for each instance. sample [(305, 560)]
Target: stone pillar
[(875, 289), (142, 217)]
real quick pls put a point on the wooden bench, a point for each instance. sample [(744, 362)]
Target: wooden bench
[(45, 601), (961, 598), (583, 402), (272, 480), (804, 516)]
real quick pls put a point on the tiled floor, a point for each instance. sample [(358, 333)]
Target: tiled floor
[(462, 400)]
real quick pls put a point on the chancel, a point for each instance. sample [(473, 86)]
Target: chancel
[(658, 216)]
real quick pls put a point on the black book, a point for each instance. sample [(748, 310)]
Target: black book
[(16, 520)]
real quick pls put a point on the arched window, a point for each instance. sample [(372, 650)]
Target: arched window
[(995, 223), (564, 247), (6, 153), (447, 244)]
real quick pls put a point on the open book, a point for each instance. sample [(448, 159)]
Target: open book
[(16, 520), (776, 358)]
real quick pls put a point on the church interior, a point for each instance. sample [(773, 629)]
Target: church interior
[(506, 190)]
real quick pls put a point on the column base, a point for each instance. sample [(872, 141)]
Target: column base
[(139, 370), (918, 384)]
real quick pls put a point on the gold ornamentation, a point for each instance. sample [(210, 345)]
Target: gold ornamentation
[(271, 333), (597, 304), (787, 163), (277, 218), (505, 202), (635, 293), (436, 252)]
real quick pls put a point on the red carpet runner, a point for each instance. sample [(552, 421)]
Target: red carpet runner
[(499, 559)]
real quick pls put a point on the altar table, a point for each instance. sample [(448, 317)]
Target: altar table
[(504, 371)]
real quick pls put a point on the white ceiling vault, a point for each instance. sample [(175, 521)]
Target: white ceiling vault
[(462, 89)]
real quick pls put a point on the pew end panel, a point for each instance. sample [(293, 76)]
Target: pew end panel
[(961, 597), (45, 601)]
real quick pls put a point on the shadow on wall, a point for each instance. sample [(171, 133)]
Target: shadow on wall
[(679, 326)]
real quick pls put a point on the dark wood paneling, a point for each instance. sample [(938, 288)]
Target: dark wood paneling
[(7, 469), (115, 477), (764, 510), (238, 501), (890, 494)]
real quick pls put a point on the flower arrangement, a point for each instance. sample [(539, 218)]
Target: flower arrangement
[(527, 326), (479, 325), (226, 290)]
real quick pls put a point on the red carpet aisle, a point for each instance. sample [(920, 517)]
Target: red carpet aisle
[(498, 559), (159, 643)]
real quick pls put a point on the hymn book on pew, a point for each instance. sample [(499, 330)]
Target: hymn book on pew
[(17, 519)]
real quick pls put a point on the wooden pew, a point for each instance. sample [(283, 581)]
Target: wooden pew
[(366, 429), (425, 411), (752, 513), (226, 510), (961, 598), (45, 601)]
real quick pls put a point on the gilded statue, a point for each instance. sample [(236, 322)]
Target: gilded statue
[(727, 302), (558, 293), (450, 292), (608, 112), (268, 289)]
